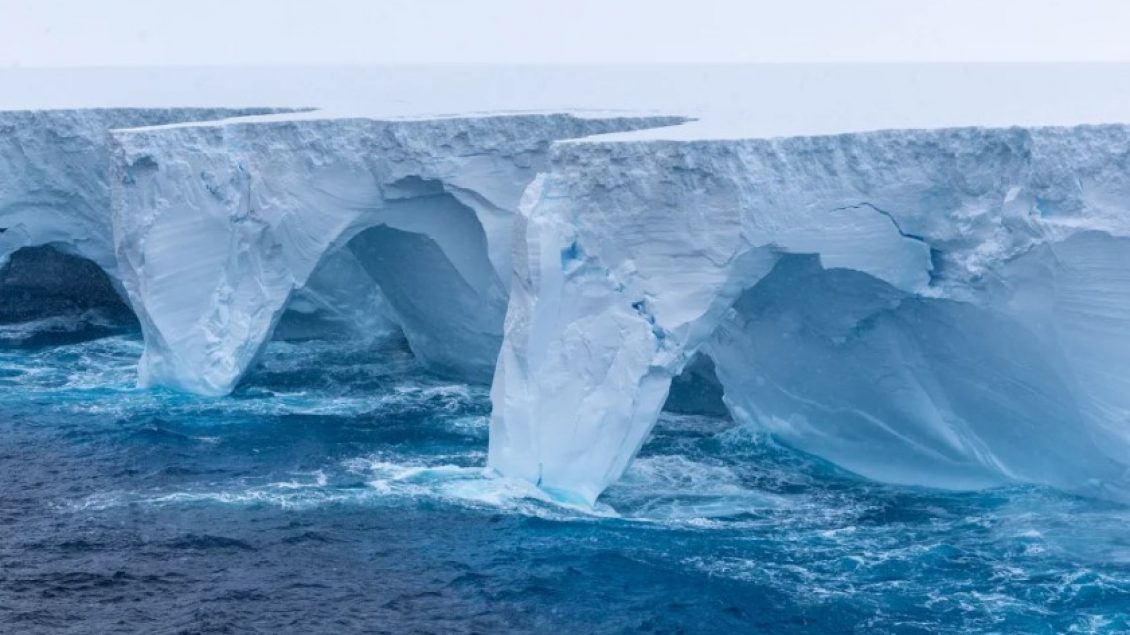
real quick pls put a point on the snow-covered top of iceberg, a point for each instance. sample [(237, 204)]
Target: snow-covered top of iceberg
[(54, 175), (740, 101)]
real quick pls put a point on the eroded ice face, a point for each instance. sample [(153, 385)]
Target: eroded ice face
[(220, 225), (936, 308)]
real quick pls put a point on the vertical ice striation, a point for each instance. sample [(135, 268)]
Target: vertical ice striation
[(945, 308), (217, 226)]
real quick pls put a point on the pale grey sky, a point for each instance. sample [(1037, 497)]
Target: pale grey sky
[(36, 33)]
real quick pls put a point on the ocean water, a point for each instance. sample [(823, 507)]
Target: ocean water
[(344, 490)]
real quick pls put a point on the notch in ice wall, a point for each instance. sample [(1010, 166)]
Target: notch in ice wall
[(946, 308), (217, 226)]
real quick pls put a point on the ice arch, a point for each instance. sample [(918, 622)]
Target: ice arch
[(340, 301), (217, 226), (904, 243), (50, 297), (430, 259)]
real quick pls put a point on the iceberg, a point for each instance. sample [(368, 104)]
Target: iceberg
[(944, 308), (218, 227), (55, 176)]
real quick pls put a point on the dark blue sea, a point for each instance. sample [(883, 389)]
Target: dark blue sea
[(343, 490)]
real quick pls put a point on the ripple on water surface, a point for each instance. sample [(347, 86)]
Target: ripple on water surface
[(343, 488)]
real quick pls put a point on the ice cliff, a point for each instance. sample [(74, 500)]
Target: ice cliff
[(220, 227), (944, 308), (55, 176)]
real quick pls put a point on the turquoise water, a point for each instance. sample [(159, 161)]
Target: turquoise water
[(345, 490)]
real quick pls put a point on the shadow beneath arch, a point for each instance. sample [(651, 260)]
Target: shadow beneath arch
[(50, 298), (697, 391)]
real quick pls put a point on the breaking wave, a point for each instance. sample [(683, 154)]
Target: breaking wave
[(382, 465)]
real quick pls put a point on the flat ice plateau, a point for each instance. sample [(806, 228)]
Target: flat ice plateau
[(921, 274)]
